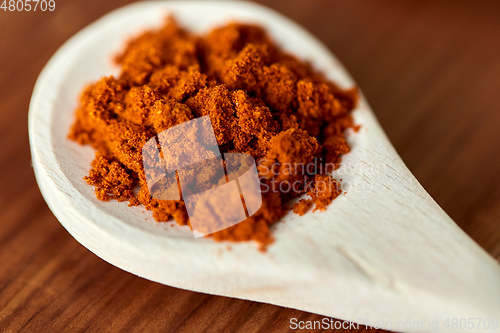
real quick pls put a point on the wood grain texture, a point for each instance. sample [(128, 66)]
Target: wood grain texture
[(429, 70)]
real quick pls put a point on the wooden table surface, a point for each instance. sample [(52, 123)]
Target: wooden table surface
[(430, 70)]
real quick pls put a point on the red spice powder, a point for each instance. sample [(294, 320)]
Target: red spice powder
[(261, 101)]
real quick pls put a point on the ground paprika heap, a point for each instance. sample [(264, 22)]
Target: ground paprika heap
[(260, 100)]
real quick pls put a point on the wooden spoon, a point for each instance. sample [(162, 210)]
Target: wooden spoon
[(384, 253)]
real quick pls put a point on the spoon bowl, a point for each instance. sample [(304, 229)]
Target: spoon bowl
[(383, 252)]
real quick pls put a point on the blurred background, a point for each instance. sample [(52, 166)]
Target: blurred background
[(430, 70)]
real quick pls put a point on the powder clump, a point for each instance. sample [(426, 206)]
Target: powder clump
[(261, 101)]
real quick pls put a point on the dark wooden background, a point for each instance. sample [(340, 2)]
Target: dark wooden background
[(430, 69)]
